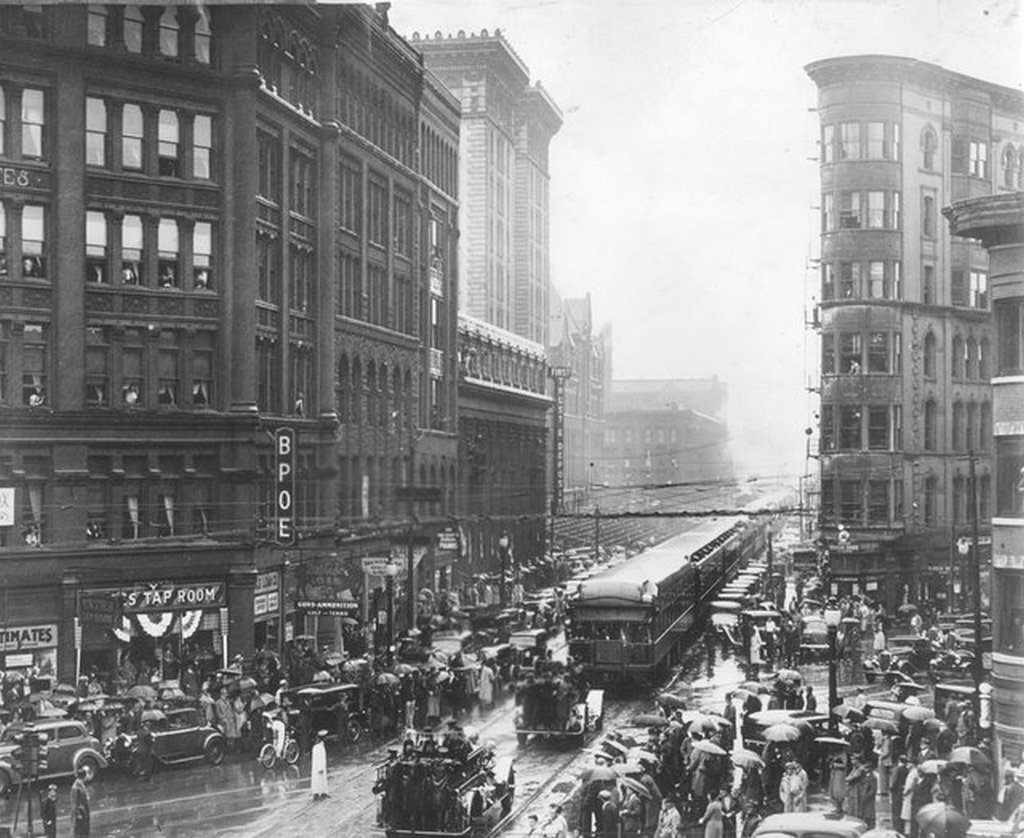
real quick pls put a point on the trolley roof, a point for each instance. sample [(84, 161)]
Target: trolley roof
[(623, 582)]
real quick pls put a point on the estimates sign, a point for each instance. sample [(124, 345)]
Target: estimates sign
[(22, 638), (170, 596)]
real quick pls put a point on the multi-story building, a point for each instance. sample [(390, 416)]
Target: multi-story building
[(998, 222), (503, 411), (216, 223), (649, 440), (904, 317), (507, 126), (576, 346)]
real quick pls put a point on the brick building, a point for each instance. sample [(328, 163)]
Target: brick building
[(907, 345), (256, 229)]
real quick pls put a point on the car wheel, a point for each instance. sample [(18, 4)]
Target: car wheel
[(91, 767), (214, 752)]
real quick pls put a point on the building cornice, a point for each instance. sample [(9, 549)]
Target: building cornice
[(995, 219)]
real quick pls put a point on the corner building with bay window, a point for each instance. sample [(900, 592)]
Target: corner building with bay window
[(215, 222), (905, 320)]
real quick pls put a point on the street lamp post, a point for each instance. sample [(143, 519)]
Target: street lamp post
[(390, 572), (833, 616), (503, 543)]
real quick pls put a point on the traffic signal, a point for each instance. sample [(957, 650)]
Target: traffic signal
[(42, 753), (18, 754)]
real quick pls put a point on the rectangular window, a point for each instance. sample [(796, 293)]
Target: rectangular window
[(97, 367), (133, 382), (377, 207), (892, 221), (876, 280), (958, 287), (895, 141), (131, 251), (403, 305), (95, 132), (850, 349), (849, 210), (436, 333), (202, 147), (269, 176), (828, 281), (849, 280), (303, 185), (167, 253), (167, 146), (3, 238), (349, 197), (133, 23), (849, 427), (978, 158), (201, 36), (878, 501), (33, 241), (403, 224), (928, 285), (202, 256), (876, 145), (96, 247), (978, 289), (169, 33), (828, 144), (828, 212), (876, 211), (33, 364), (828, 429), (33, 120), (268, 375), (97, 25), (878, 352), (896, 274), (849, 501), (849, 141), (878, 427), (928, 226), (131, 137), (302, 279), (828, 354), (202, 369), (3, 121), (268, 269), (168, 374)]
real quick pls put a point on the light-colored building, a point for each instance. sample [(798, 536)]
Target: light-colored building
[(507, 126), (904, 314)]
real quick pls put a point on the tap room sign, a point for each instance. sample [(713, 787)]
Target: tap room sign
[(172, 596)]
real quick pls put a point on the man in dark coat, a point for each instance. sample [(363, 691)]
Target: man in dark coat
[(80, 806), (897, 779), (48, 811), (608, 819)]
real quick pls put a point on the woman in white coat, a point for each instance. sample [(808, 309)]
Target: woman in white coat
[(318, 781)]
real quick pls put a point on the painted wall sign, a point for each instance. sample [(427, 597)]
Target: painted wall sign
[(19, 638)]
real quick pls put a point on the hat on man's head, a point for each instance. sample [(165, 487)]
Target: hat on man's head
[(321, 734)]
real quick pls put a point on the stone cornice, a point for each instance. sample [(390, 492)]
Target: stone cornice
[(995, 219)]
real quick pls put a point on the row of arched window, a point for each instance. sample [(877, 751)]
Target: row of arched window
[(971, 426), (287, 64), (374, 394), (969, 359), (373, 112)]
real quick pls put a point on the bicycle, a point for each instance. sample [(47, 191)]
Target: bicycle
[(268, 755)]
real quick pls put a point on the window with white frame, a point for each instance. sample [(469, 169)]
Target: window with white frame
[(132, 134), (95, 132), (978, 158), (978, 289), (202, 36), (849, 141), (202, 147), (132, 261), (97, 367), (168, 252), (168, 145), (33, 121), (202, 256), (34, 353), (97, 25), (169, 31), (33, 241), (96, 264), (132, 28)]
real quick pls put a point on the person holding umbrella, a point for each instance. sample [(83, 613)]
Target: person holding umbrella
[(861, 789), (1012, 793)]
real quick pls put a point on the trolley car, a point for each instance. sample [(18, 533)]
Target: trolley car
[(552, 707), (626, 623), (449, 787)]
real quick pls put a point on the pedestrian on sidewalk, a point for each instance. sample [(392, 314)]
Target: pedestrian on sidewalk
[(48, 811), (896, 783), (714, 817), (670, 824), (793, 788), (318, 773), (80, 805)]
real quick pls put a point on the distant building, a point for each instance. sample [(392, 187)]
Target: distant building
[(587, 354), (907, 343), (648, 440), (507, 126), (998, 222)]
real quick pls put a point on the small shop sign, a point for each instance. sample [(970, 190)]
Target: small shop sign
[(326, 606), (170, 596)]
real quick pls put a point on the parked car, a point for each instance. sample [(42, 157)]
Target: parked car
[(336, 708), (179, 735), (70, 747), (810, 825)]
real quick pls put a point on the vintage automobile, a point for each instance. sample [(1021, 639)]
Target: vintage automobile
[(551, 707), (179, 735), (336, 708), (810, 825), (69, 745), (814, 639)]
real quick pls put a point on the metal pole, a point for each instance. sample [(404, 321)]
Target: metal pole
[(391, 619), (503, 590), (833, 686), (597, 533), (410, 588), (976, 572), (952, 570)]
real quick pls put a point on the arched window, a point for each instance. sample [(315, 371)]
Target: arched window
[(202, 37), (971, 359), (929, 145), (1009, 167), (169, 32), (930, 425), (959, 437), (929, 355), (983, 350), (132, 28), (957, 358)]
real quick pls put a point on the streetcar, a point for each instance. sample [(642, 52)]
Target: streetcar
[(443, 785), (626, 622)]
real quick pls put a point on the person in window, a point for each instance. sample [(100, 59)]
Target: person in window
[(3, 264), (96, 396), (166, 395), (31, 266), (129, 276), (36, 398), (30, 535), (167, 278), (93, 531), (95, 273), (199, 396), (300, 405), (131, 395), (854, 367), (202, 280)]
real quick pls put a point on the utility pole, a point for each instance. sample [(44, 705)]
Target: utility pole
[(976, 573), (597, 533)]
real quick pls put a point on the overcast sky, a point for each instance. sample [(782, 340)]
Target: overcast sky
[(681, 189)]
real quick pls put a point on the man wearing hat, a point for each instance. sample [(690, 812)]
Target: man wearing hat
[(318, 775), (1012, 793), (48, 811)]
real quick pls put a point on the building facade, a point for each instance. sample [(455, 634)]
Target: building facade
[(503, 414), (904, 314), (998, 222), (507, 127), (256, 230)]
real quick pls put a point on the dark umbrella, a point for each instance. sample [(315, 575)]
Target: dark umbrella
[(144, 692), (942, 821), (709, 747), (649, 720), (676, 702)]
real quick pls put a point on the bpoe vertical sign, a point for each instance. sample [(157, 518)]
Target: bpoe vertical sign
[(284, 450)]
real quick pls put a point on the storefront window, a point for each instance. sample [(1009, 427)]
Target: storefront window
[(1008, 616)]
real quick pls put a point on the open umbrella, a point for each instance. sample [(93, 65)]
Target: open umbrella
[(908, 608), (932, 766), (640, 754), (942, 821), (676, 702), (334, 659), (65, 689), (624, 769), (614, 745), (709, 747), (598, 772), (172, 694), (649, 720), (387, 678), (51, 713), (746, 759), (143, 692), (404, 669), (848, 711), (971, 756), (832, 741), (635, 785), (883, 725), (88, 706), (753, 686), (850, 621), (934, 725), (152, 715), (917, 713), (781, 733), (788, 675), (705, 723), (260, 701)]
